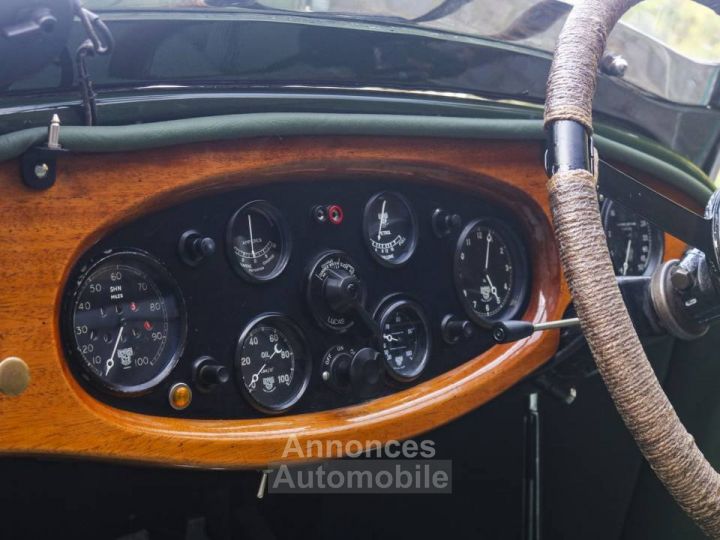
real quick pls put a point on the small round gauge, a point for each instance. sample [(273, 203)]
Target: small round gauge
[(490, 271), (405, 338), (127, 325), (272, 365), (636, 245), (389, 228), (258, 242)]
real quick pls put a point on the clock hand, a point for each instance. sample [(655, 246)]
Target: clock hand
[(493, 289), (487, 251)]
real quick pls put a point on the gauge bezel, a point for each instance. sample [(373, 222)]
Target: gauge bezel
[(396, 263), (383, 311), (271, 213), (658, 238), (521, 277), (73, 288), (295, 335)]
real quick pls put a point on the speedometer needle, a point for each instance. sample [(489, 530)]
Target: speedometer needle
[(252, 240), (626, 264), (110, 362)]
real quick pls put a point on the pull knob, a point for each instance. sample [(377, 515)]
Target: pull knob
[(365, 371), (14, 376), (208, 373), (455, 329), (194, 247)]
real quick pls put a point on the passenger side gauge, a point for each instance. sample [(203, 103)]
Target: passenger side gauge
[(126, 324), (258, 242), (636, 245), (390, 228), (490, 271), (272, 363), (405, 335)]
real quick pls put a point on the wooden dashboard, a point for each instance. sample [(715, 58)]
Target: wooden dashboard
[(46, 231)]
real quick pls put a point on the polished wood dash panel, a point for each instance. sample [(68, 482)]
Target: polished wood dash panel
[(45, 232)]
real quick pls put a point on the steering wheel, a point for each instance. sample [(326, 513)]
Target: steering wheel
[(648, 414)]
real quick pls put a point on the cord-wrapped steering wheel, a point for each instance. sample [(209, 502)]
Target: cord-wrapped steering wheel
[(668, 447)]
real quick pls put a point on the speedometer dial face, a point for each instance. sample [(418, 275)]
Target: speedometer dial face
[(127, 323), (390, 229), (490, 271), (635, 244), (272, 364), (258, 242), (405, 339)]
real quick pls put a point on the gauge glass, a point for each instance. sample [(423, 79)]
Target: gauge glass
[(128, 323), (258, 242), (635, 244), (405, 339), (272, 365), (490, 271), (390, 229)]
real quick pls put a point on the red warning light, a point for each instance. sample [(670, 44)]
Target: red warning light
[(133, 306), (335, 214), (147, 325)]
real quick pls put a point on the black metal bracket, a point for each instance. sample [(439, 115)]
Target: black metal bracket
[(38, 167), (569, 147)]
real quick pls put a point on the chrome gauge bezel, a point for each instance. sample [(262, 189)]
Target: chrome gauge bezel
[(655, 257), (386, 308), (520, 278), (271, 213), (301, 350), (412, 242), (160, 273)]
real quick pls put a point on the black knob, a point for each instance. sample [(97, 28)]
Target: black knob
[(444, 223), (208, 373), (338, 373), (343, 291), (455, 329), (194, 247), (365, 371), (507, 331)]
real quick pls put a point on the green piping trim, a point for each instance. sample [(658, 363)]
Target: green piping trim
[(237, 126)]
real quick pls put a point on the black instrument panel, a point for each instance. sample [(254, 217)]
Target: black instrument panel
[(291, 297)]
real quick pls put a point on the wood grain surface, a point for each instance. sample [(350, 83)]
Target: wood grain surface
[(44, 233)]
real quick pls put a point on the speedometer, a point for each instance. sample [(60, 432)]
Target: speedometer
[(126, 325), (635, 244)]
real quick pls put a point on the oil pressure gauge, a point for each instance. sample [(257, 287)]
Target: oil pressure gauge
[(272, 365), (390, 228)]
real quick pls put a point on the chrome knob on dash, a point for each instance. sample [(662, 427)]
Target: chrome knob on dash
[(508, 331)]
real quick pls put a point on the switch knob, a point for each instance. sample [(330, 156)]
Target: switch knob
[(194, 247), (365, 371), (455, 329), (208, 373), (14, 376)]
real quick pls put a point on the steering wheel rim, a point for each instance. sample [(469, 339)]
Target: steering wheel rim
[(643, 405)]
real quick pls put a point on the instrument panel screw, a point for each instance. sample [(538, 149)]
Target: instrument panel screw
[(41, 170)]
